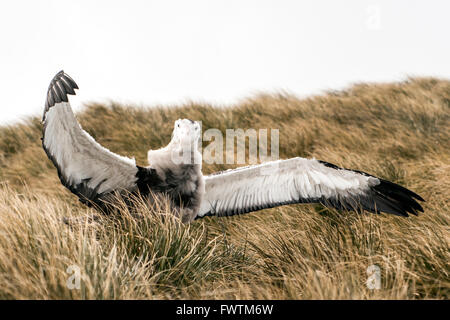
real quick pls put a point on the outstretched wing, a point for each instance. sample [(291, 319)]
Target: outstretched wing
[(85, 167), (300, 180)]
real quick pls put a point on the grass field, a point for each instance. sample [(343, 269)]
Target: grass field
[(398, 131)]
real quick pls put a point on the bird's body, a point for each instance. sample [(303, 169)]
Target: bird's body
[(95, 174), (179, 167)]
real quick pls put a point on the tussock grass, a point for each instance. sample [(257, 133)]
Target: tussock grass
[(399, 131)]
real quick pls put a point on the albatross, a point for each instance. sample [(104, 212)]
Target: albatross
[(96, 175)]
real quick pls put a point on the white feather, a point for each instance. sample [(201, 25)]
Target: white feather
[(285, 181), (80, 157)]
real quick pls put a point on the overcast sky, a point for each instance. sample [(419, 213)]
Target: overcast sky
[(168, 52)]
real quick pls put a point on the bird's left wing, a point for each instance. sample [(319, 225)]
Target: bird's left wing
[(85, 167), (300, 180)]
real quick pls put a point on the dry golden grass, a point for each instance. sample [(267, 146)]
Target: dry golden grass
[(400, 132)]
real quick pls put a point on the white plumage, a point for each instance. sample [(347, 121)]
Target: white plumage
[(93, 172), (280, 182), (80, 157)]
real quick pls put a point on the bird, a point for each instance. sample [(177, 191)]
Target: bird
[(96, 175)]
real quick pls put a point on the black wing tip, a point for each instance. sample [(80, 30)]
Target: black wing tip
[(415, 195), (398, 199), (392, 197), (60, 87)]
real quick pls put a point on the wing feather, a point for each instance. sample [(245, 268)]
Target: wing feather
[(84, 166), (300, 180)]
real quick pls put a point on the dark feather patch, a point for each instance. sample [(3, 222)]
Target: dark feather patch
[(60, 86), (149, 181), (68, 88), (387, 196)]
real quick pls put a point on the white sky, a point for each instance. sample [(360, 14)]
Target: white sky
[(168, 52)]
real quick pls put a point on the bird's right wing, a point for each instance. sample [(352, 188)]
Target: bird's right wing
[(300, 180), (85, 167)]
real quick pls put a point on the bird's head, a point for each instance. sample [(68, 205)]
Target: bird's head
[(186, 132)]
